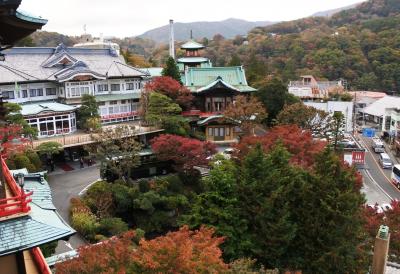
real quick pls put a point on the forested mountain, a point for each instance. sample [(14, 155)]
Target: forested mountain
[(361, 45), (228, 28)]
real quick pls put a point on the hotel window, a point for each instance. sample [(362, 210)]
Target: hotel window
[(123, 102), (111, 110), (39, 92), (102, 87), (210, 131), (130, 86), (24, 93), (115, 87), (8, 94), (113, 102), (101, 103), (227, 131), (32, 93), (51, 91)]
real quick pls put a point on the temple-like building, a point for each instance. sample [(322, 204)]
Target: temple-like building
[(193, 56), (214, 88)]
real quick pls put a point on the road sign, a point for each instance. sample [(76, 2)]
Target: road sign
[(358, 157)]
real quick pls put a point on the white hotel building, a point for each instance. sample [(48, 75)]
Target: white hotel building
[(48, 83)]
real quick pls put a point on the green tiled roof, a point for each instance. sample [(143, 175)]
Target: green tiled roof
[(114, 97), (198, 78), (192, 45), (42, 225), (192, 60), (23, 15)]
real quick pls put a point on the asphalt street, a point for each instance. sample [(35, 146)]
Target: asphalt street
[(65, 186), (377, 184)]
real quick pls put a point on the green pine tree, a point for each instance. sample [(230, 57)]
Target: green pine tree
[(218, 206), (171, 69)]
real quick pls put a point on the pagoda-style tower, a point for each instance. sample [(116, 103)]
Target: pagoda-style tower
[(193, 58)]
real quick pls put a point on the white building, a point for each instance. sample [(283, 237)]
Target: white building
[(31, 76), (377, 111), (346, 108), (309, 88)]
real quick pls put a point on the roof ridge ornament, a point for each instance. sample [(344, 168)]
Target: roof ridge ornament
[(60, 48)]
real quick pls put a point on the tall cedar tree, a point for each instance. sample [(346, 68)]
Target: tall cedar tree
[(173, 89), (330, 233), (218, 206), (274, 96), (171, 69), (292, 218)]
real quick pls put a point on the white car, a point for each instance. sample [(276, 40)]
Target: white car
[(386, 207), (377, 208)]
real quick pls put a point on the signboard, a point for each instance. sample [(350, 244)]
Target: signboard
[(358, 157), (348, 159)]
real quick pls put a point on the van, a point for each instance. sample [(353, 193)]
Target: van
[(385, 160), (377, 145)]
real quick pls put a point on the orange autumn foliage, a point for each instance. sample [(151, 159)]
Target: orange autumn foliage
[(183, 251), (297, 141)]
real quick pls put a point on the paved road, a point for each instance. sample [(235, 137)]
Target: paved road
[(376, 178), (65, 186)]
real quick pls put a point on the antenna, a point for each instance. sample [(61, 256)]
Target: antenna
[(191, 34), (84, 28), (171, 39)]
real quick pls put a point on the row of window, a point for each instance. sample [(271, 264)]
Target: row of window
[(117, 87), (32, 93), (219, 131)]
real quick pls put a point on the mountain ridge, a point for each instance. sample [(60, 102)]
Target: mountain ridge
[(229, 28)]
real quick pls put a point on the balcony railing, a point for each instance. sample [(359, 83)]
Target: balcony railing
[(199, 113), (119, 115), (19, 203)]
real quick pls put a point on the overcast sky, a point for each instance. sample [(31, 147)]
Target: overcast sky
[(123, 18)]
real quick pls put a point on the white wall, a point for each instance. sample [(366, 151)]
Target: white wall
[(331, 106), (18, 96)]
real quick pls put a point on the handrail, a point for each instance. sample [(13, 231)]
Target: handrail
[(9, 178), (40, 261)]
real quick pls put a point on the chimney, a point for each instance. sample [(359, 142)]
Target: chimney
[(171, 39), (381, 249)]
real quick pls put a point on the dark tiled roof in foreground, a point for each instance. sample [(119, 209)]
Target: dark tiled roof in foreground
[(42, 225)]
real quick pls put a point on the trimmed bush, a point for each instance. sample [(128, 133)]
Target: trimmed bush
[(112, 226), (35, 160), (21, 161), (85, 223)]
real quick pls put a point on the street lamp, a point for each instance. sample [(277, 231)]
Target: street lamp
[(21, 180)]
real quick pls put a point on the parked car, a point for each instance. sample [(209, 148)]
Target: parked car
[(377, 208), (386, 207), (377, 145), (385, 160), (347, 143)]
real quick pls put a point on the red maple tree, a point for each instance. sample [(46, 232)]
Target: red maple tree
[(297, 141), (184, 152), (171, 88), (11, 140)]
